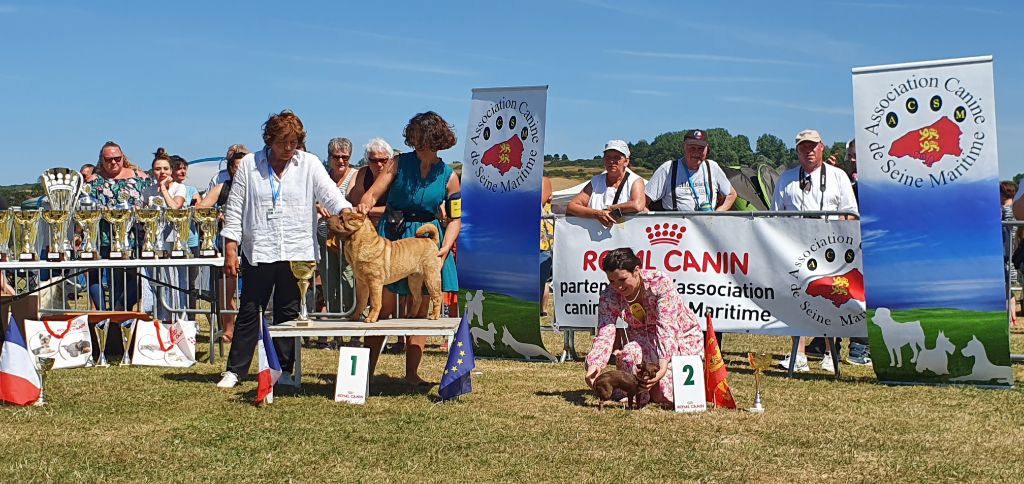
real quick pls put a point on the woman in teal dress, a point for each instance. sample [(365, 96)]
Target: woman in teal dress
[(417, 184)]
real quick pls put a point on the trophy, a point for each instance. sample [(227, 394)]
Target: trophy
[(127, 330), (101, 338), (43, 366), (180, 219), (760, 363), (303, 271), (6, 223), (149, 218), (207, 218), (89, 219), (59, 247), (120, 219), (28, 223)]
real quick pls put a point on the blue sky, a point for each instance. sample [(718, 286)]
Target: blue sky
[(195, 77)]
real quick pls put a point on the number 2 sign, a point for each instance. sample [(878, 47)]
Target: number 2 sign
[(688, 380), (353, 380)]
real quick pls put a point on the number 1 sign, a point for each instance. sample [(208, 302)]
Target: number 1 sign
[(353, 380), (688, 379)]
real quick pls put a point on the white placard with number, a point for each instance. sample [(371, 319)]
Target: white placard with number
[(688, 380), (353, 379)]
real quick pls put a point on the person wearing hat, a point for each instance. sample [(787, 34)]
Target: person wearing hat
[(813, 186), (610, 194), (692, 183)]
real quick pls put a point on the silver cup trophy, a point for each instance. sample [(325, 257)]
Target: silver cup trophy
[(102, 330), (43, 366)]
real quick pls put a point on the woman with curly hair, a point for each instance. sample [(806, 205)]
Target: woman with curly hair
[(417, 184)]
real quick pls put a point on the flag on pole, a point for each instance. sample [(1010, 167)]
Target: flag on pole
[(456, 379), (716, 385), (269, 367), (19, 381)]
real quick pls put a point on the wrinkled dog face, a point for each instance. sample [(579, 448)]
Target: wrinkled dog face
[(346, 224)]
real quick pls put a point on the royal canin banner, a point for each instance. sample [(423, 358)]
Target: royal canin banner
[(779, 276)]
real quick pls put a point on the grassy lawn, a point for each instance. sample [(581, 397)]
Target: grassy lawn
[(523, 421)]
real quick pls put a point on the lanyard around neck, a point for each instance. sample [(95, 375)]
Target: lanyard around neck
[(806, 178), (275, 193), (707, 184)]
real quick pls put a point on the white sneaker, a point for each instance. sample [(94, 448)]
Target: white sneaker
[(801, 363), (826, 363), (229, 380)]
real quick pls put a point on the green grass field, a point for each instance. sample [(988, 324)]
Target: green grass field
[(530, 422), (957, 325), (517, 316)]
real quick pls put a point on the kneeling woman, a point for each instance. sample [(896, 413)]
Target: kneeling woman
[(659, 324)]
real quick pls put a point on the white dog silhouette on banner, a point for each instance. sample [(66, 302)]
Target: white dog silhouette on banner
[(936, 360), (896, 335), (983, 369)]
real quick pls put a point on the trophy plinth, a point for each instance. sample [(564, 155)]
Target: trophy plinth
[(207, 218), (759, 362), (303, 272), (28, 257), (56, 256)]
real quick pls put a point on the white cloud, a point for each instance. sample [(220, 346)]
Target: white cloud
[(706, 57), (649, 92), (670, 78), (389, 65), (8, 9), (787, 105)]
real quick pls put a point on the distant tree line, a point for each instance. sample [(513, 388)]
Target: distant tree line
[(726, 149), (15, 194)]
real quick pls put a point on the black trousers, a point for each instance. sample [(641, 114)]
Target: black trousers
[(258, 282)]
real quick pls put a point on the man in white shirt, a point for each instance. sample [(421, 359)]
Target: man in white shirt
[(813, 186), (692, 183), (610, 194), (271, 214)]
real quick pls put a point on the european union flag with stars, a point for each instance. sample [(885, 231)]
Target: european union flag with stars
[(456, 379)]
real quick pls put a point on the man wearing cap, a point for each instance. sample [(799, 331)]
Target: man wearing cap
[(615, 192), (813, 186), (692, 183)]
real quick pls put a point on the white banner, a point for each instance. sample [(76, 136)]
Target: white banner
[(779, 276)]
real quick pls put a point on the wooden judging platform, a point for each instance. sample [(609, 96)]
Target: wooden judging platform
[(387, 327)]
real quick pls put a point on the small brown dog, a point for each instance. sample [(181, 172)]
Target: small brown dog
[(377, 261), (607, 382)]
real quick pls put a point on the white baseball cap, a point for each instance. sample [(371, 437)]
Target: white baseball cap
[(617, 145)]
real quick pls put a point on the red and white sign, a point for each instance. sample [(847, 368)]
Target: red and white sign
[(781, 276)]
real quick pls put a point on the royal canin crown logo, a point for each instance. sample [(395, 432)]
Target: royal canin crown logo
[(665, 234)]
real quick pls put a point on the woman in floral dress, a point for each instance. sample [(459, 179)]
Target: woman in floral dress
[(659, 324)]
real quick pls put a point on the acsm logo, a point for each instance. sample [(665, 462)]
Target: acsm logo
[(828, 274)]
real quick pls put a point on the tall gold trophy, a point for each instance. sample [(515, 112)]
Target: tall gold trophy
[(303, 272), (149, 218), (59, 247), (101, 338), (207, 218), (180, 219), (89, 219), (760, 363), (28, 225), (120, 220), (6, 224)]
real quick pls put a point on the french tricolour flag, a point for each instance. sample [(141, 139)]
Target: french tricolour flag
[(19, 381), (270, 367)]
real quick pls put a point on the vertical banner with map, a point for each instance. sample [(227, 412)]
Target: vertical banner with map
[(498, 251), (931, 228)]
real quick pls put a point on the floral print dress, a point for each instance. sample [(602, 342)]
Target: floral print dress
[(669, 328), (108, 193)]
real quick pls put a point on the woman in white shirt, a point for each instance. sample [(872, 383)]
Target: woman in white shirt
[(613, 193), (271, 219)]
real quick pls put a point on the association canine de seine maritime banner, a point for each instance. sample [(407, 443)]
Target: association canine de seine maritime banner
[(780, 276)]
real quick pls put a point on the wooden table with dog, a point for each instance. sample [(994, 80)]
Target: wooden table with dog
[(389, 327)]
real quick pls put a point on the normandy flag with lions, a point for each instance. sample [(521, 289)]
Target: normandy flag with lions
[(928, 179), (498, 252)]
